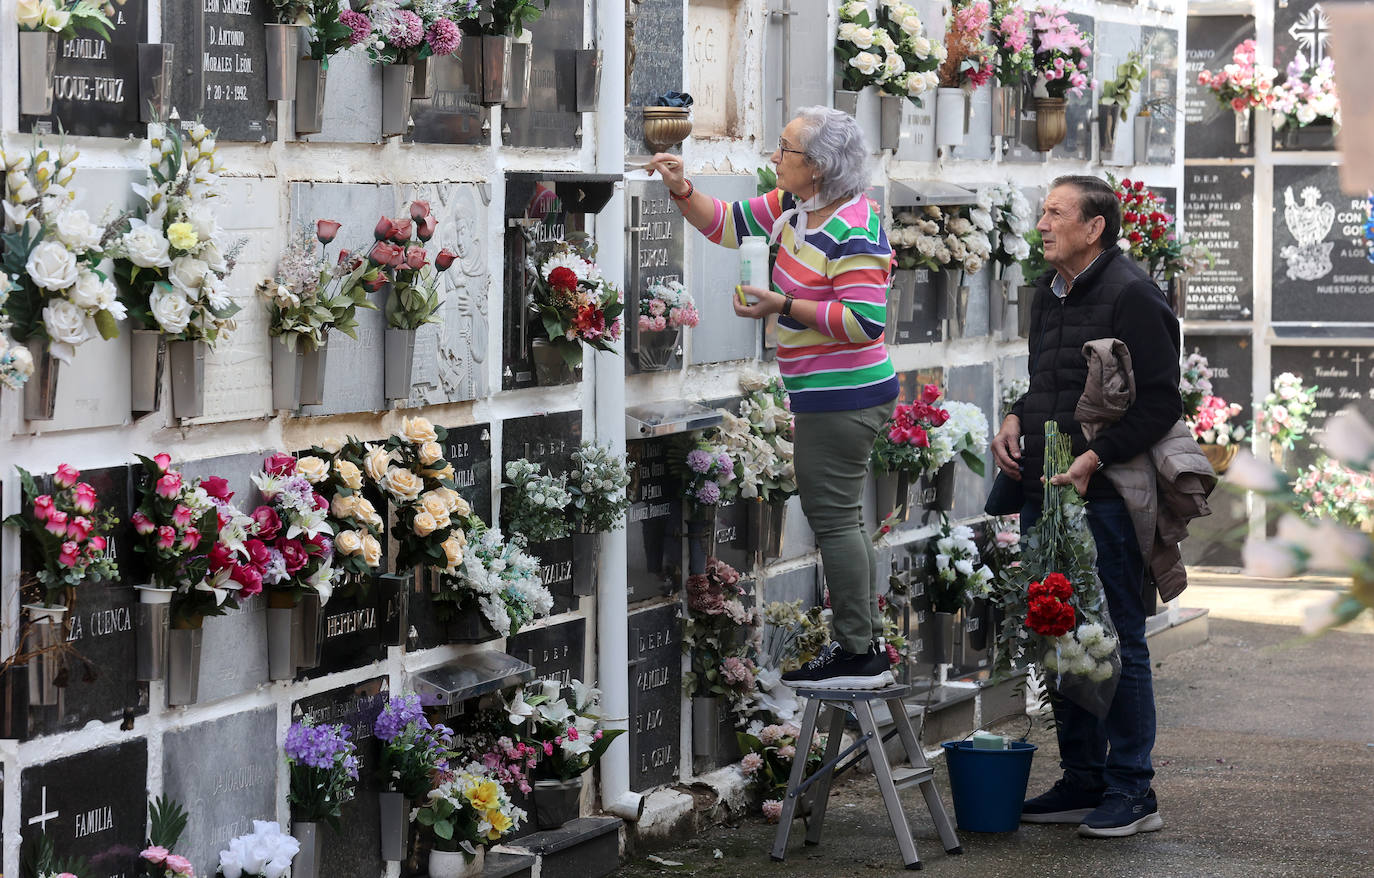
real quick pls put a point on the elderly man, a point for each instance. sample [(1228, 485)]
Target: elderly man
[(1096, 291)]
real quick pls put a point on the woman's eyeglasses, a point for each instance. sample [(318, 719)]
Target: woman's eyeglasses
[(783, 147)]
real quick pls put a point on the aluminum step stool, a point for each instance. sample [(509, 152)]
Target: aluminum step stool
[(918, 771)]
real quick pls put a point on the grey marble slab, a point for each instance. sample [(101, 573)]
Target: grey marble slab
[(353, 100), (714, 272)]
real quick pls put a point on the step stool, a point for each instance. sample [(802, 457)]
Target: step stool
[(917, 772)]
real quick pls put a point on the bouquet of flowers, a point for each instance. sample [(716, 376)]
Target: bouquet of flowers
[(597, 484), (769, 751), (1012, 219), (1330, 489), (16, 363), (177, 525), (308, 296), (1194, 384), (533, 503), (565, 729), (166, 822), (66, 18), (1012, 390), (1213, 423), (357, 526), (50, 254), (266, 852), (400, 32), (865, 54), (1055, 608), (67, 533), (398, 257), (920, 56), (1286, 410), (412, 749), (484, 736), (909, 442), (1306, 95), (293, 523), (417, 480), (970, 61), (323, 767), (1244, 84), (1061, 53), (720, 637), (168, 260), (1012, 38), (966, 431), (708, 473), (1147, 229), (504, 579), (468, 810), (667, 305), (768, 415), (942, 239), (573, 304), (240, 560), (958, 573)]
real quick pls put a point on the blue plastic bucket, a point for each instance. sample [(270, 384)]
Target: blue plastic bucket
[(988, 785)]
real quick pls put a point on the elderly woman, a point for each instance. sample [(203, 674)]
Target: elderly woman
[(830, 294)]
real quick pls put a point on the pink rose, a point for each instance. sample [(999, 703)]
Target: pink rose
[(280, 465), (190, 539), (166, 537), (143, 524), (180, 865), (42, 507), (163, 460), (169, 485), (84, 498), (267, 521), (294, 555), (181, 516), (66, 476), (97, 544), (69, 554), (57, 523), (79, 528), (155, 854), (248, 578), (221, 556), (258, 553)]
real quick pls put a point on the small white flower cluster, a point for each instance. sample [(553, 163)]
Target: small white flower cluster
[(1286, 410), (597, 483), (1012, 219), (956, 563), (506, 581), (16, 363), (266, 852), (1085, 652), (941, 239), (1012, 390), (536, 502), (966, 428)]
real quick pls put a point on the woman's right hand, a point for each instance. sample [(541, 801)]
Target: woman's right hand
[(669, 166)]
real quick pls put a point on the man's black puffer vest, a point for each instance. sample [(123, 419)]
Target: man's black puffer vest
[(1113, 298)]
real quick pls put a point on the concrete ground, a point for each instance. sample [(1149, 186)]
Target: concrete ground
[(1264, 767)]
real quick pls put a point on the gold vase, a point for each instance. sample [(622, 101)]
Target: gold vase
[(1051, 123), (666, 127), (1219, 456)]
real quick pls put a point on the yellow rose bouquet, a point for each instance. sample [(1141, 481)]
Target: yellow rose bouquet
[(430, 514), (469, 810)]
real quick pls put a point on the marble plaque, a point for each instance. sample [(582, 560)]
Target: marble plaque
[(223, 795), (978, 139), (655, 638), (1160, 49), (1320, 267), (1114, 42), (733, 538), (654, 42), (1231, 359), (653, 522), (551, 119), (557, 652), (454, 114), (1209, 127), (469, 450), (1219, 211), (548, 440), (796, 34), (353, 367), (1344, 376), (556, 571), (96, 83), (714, 272), (351, 635), (713, 47), (654, 252), (357, 118), (916, 142), (920, 323), (973, 384), (1300, 27), (93, 805), (221, 64), (798, 584), (356, 849)]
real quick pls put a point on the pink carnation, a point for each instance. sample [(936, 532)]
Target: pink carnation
[(407, 30), (772, 810), (751, 763), (443, 37), (359, 24)]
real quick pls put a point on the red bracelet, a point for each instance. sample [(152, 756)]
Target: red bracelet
[(690, 191)]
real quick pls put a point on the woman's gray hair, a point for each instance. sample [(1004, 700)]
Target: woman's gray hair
[(834, 143)]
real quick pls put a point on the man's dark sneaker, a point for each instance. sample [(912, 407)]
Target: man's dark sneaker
[(836, 669), (1064, 803), (1120, 815)]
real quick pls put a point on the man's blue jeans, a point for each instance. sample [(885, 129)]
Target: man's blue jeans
[(1112, 754)]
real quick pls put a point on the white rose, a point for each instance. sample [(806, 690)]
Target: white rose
[(147, 247), (88, 290), (66, 322), (170, 309), (894, 67), (75, 229), (210, 254), (187, 275), (911, 25), (202, 219), (52, 266), (854, 8), (915, 84), (30, 14), (865, 62), (861, 37)]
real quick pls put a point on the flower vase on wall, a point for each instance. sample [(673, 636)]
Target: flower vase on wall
[(1051, 122), (186, 360), (556, 802), (658, 350), (847, 101), (310, 625), (394, 823), (954, 300), (45, 641), (398, 82), (1006, 110), (283, 51), (1243, 132), (550, 367), (936, 490), (286, 375), (314, 360), (400, 360), (184, 641), (306, 863), (1108, 121), (1141, 132), (706, 727), (890, 121), (147, 358), (701, 537), (494, 87), (312, 77), (283, 634), (586, 560), (37, 64), (942, 637), (951, 116), (890, 489), (151, 625)]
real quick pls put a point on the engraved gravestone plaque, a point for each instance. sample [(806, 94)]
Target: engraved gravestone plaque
[(454, 114), (1231, 359), (1209, 127), (655, 638), (221, 64), (654, 251), (551, 119), (557, 652), (1219, 211), (91, 806), (548, 440), (796, 33), (653, 522), (1344, 376), (96, 83), (1216, 539), (1302, 28), (1320, 267)]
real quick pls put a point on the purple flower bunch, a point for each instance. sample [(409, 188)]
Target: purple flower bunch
[(359, 25), (322, 765), (711, 472), (321, 747), (406, 30), (443, 37), (413, 750), (399, 713)]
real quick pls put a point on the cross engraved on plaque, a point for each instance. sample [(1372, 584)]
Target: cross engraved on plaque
[(46, 815)]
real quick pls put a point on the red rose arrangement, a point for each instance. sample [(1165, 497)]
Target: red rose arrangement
[(67, 532), (1049, 612), (572, 303), (903, 442), (1146, 226), (291, 530)]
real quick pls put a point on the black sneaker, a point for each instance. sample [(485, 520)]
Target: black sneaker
[(1064, 803), (1120, 815), (836, 669)]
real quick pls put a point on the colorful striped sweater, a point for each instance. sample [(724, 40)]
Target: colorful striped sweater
[(845, 267)]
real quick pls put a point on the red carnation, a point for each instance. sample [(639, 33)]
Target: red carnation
[(590, 321), (1049, 617), (563, 279), (1059, 586)]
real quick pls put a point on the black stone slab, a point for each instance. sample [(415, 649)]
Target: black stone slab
[(654, 521), (925, 324), (93, 805), (654, 252), (733, 535), (1302, 26), (356, 848), (655, 638), (468, 449), (454, 114), (352, 632), (221, 64), (551, 118), (655, 58), (95, 83), (1209, 128), (114, 490), (557, 652), (1219, 211), (1344, 376), (1321, 271), (1159, 47), (1231, 359), (548, 440)]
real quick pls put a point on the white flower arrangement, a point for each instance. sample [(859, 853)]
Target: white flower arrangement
[(1012, 390), (966, 431), (957, 570), (892, 52), (52, 253), (533, 502), (1012, 219), (942, 239), (768, 418), (597, 482), (16, 363), (266, 852), (1087, 652), (503, 578)]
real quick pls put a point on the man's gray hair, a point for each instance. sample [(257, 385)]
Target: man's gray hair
[(834, 143)]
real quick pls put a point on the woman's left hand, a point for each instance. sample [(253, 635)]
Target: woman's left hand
[(768, 302)]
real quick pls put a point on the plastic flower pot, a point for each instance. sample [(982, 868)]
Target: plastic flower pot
[(890, 126), (283, 51), (400, 359), (313, 364), (706, 727), (1243, 118), (1143, 121), (283, 631), (951, 116), (988, 786), (556, 802), (309, 643), (658, 350), (890, 488), (846, 101), (1006, 110), (183, 665), (307, 863), (312, 77), (151, 626), (940, 649), (398, 81), (286, 375), (37, 64), (450, 864), (394, 816), (187, 359)]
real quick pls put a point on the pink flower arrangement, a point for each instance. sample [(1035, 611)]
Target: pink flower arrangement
[(969, 60), (1012, 38), (174, 866), (665, 306), (904, 444), (1060, 53), (293, 537), (67, 531), (1244, 84), (1307, 94), (1213, 423), (358, 24), (443, 37)]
